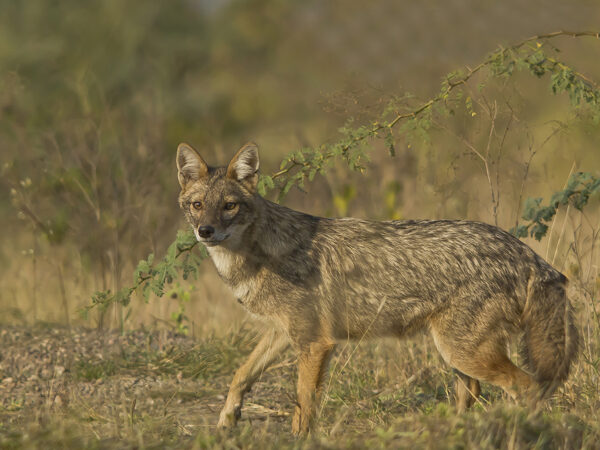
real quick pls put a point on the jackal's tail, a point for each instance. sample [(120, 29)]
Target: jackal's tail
[(551, 339)]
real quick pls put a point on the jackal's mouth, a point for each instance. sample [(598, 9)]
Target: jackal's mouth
[(211, 242)]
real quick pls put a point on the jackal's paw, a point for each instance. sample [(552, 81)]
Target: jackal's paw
[(229, 417), (300, 423)]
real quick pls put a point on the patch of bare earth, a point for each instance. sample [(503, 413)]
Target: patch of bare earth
[(112, 386)]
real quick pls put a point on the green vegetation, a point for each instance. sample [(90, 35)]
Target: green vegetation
[(580, 187), (88, 371), (353, 149), (355, 114)]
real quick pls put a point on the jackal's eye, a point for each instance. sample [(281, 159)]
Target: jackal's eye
[(197, 205), (230, 205)]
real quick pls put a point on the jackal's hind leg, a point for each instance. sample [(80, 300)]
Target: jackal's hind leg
[(467, 391), (265, 352), (498, 369), (487, 361), (477, 347), (312, 366)]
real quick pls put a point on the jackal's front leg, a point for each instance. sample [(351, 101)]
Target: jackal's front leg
[(267, 349), (312, 366)]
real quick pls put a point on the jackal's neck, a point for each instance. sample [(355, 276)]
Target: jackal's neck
[(280, 230), (276, 232), (264, 249)]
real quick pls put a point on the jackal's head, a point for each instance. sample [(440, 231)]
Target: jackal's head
[(218, 202)]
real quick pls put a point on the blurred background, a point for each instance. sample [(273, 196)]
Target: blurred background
[(96, 95)]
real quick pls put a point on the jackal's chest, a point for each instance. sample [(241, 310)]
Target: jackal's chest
[(224, 260), (230, 267)]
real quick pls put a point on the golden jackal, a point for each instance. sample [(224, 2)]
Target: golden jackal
[(320, 280)]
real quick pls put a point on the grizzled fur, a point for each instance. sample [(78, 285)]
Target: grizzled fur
[(318, 281)]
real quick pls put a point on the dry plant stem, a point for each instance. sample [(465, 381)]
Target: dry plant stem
[(333, 371), (595, 230), (495, 198), (595, 234), (532, 153), (499, 157), (35, 219), (113, 271), (63, 294), (483, 158), (562, 232), (34, 276), (575, 245), (467, 391), (554, 220), (95, 206)]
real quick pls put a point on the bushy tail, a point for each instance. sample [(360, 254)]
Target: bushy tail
[(551, 339)]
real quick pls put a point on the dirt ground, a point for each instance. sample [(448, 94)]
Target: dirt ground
[(84, 388), (111, 381)]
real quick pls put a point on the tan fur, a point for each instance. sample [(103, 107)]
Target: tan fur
[(473, 286), (270, 345), (312, 365)]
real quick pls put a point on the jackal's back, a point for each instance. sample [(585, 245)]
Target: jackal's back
[(429, 258), (392, 276)]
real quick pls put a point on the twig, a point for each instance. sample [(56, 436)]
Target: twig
[(554, 220)]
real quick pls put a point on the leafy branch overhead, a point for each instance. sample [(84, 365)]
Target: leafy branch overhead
[(530, 55), (411, 122)]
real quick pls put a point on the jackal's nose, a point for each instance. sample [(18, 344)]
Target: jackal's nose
[(206, 231)]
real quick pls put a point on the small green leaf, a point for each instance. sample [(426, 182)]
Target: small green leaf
[(261, 188)]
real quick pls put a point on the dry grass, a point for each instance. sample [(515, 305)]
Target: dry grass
[(74, 388)]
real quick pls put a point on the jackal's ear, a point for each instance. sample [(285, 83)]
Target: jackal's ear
[(243, 166), (190, 165)]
